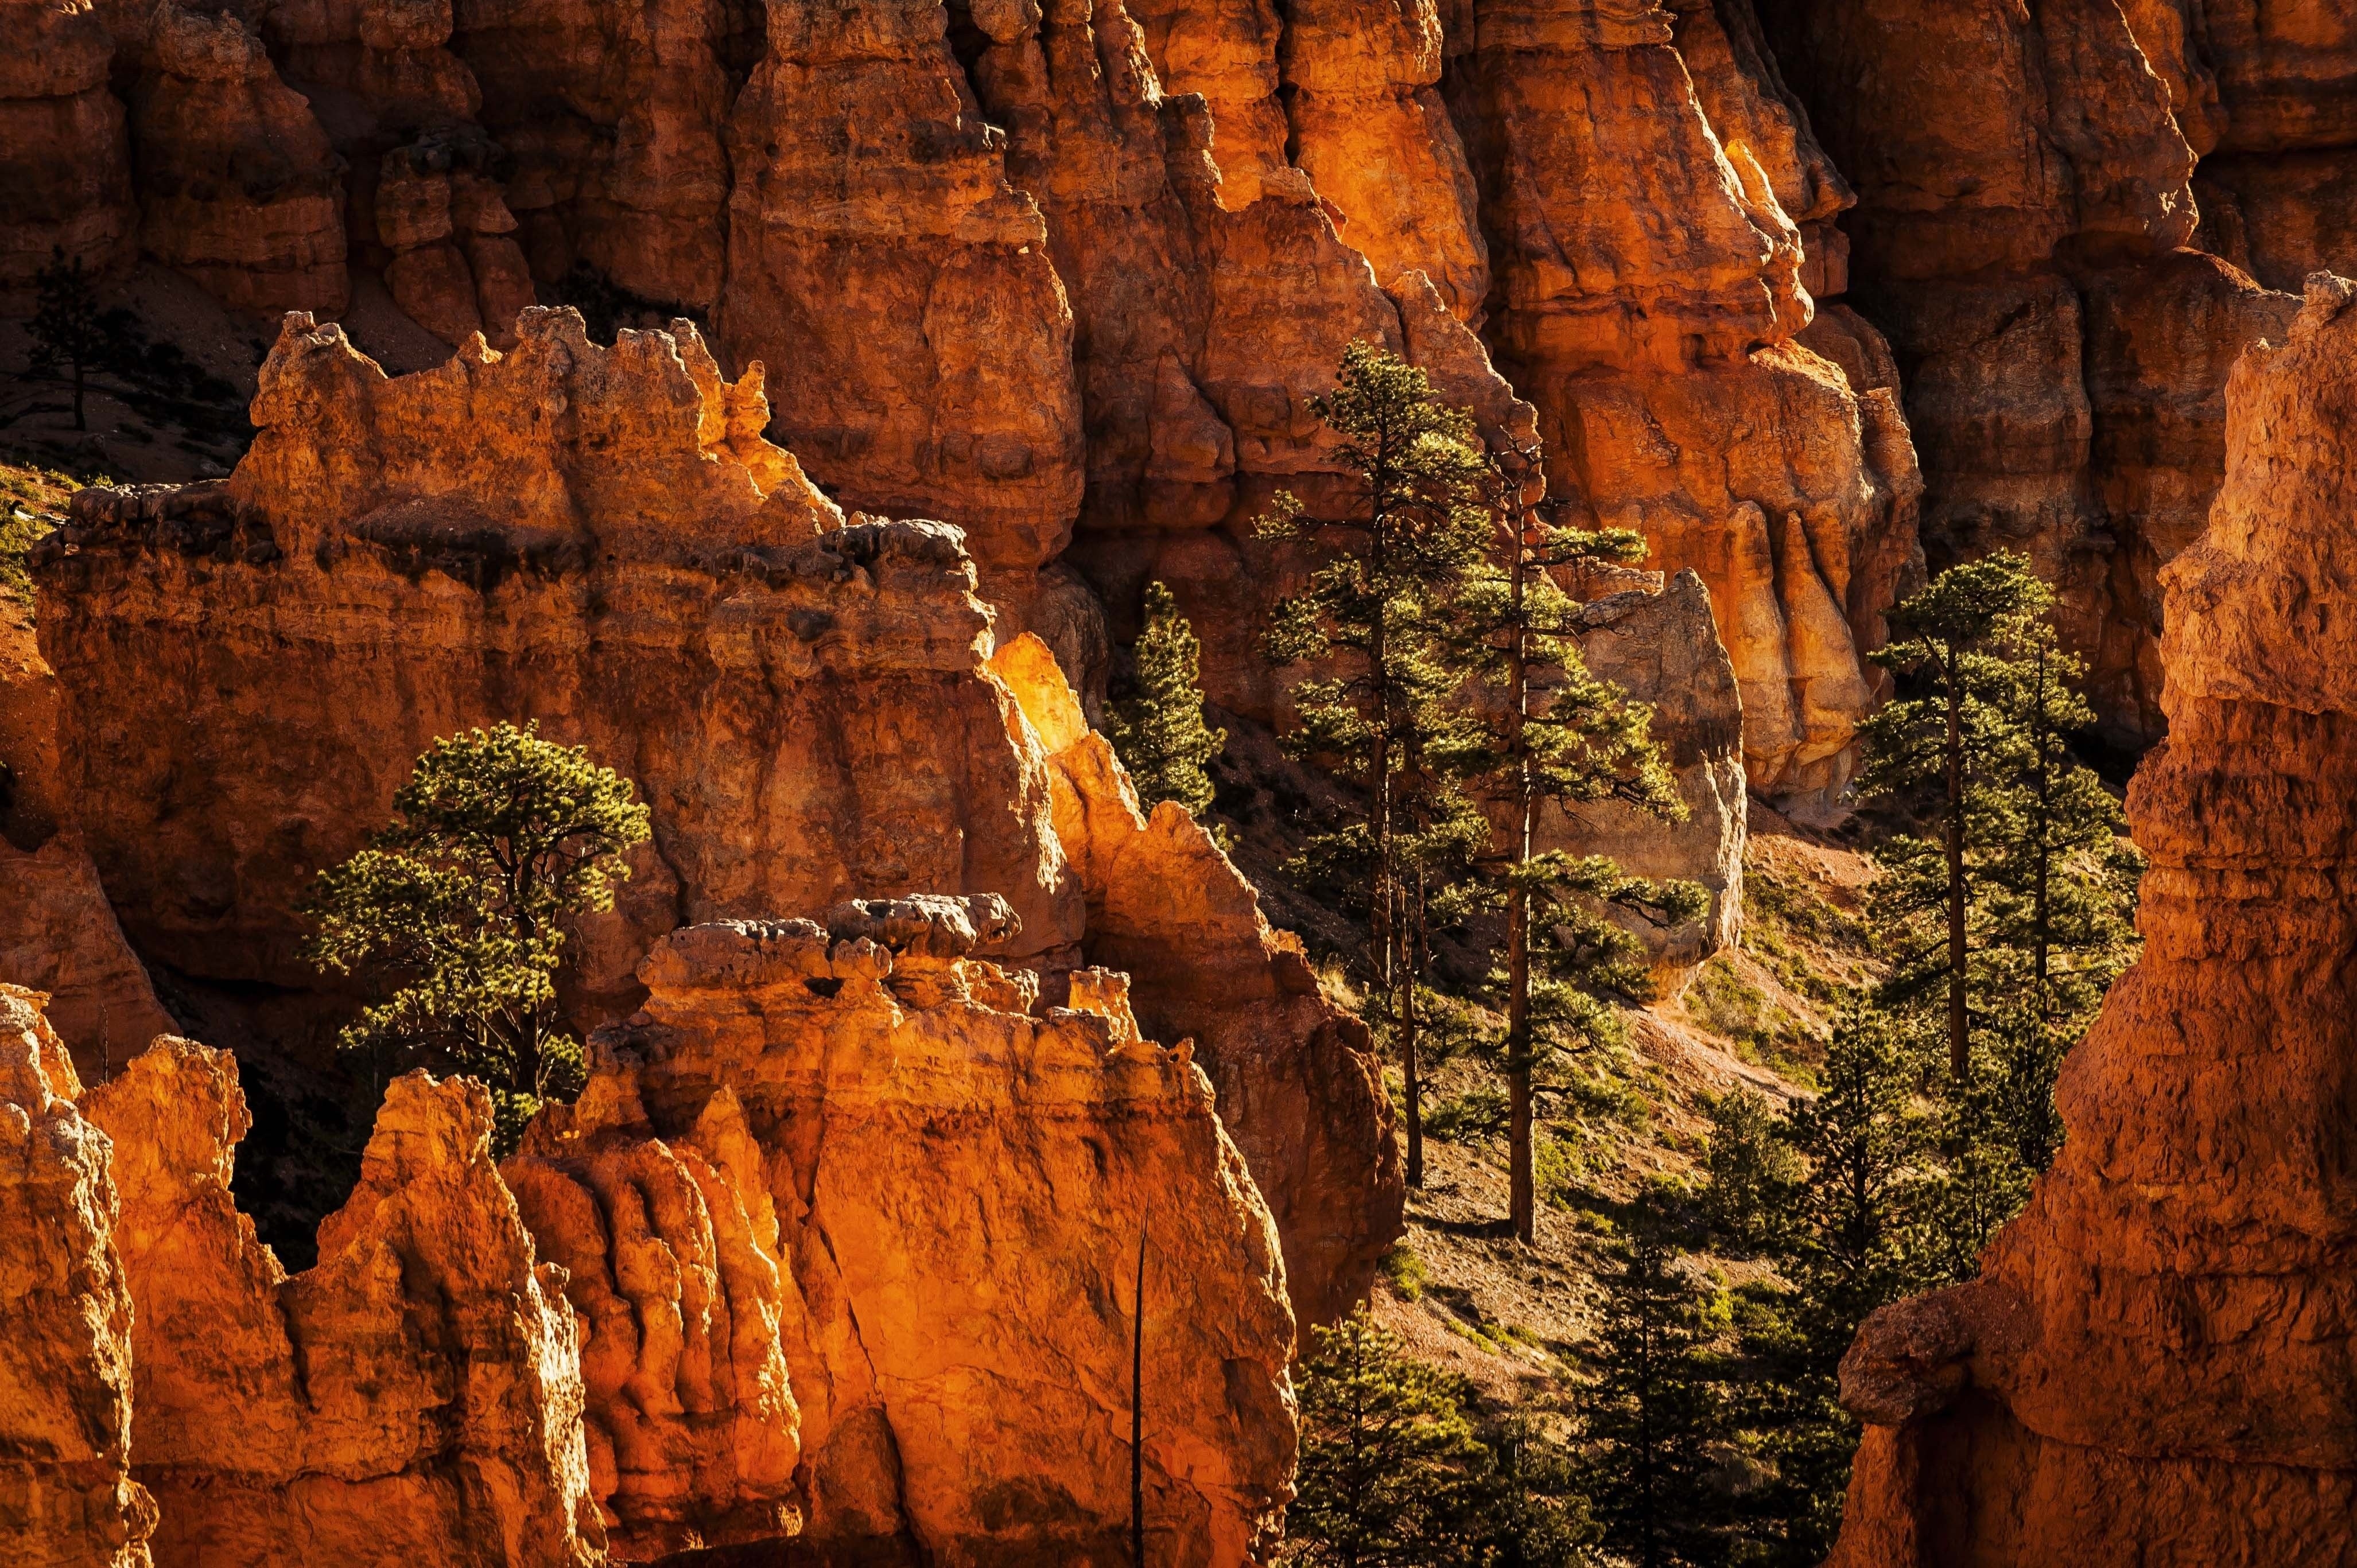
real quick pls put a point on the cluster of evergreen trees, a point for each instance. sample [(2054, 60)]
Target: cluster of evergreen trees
[(1709, 1429)]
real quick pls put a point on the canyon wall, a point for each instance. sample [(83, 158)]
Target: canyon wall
[(600, 539), (841, 1242), (2026, 232), (1067, 275), (2155, 1365), (67, 1497)]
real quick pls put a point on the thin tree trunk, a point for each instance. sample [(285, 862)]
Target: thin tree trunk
[(78, 421), (1412, 937), (1522, 1178), (1959, 1018)]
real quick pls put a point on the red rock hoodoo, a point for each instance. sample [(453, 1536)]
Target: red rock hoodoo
[(600, 539), (2155, 1365)]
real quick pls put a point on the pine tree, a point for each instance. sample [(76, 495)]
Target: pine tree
[(1653, 1409), (1547, 731), (1160, 733), (1392, 1475), (2064, 908), (70, 329), (458, 910), (1949, 749), (1375, 614), (1752, 1169), (1845, 1232)]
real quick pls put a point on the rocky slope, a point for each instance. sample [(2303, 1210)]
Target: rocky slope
[(2155, 1364)]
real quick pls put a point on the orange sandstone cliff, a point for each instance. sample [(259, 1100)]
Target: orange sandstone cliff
[(842, 1243), (600, 539), (2155, 1366), (66, 1498)]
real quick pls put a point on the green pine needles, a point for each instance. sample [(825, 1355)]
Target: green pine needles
[(1440, 676), (457, 914), (1159, 733)]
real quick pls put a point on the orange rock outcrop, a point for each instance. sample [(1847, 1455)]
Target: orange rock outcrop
[(416, 1396), (2155, 1365), (600, 539), (66, 1498), (856, 1148)]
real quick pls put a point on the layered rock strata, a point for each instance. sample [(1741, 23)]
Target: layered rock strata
[(2155, 1365), (1038, 268), (924, 1188), (2026, 196), (67, 1497), (600, 539), (66, 145)]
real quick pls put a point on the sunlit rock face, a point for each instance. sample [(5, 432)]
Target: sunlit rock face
[(416, 1396), (67, 1495), (895, 1177), (601, 541), (2155, 1364)]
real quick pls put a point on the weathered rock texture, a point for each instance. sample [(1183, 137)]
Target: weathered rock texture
[(856, 1149), (416, 1397), (1297, 1080), (57, 934), (65, 150), (1658, 643), (2027, 192), (600, 539), (2156, 1365), (1066, 274), (67, 1498)]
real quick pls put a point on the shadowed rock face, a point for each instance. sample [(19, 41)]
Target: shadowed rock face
[(2155, 1366), (601, 541), (2028, 190)]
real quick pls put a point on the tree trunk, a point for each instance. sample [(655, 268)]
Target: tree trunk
[(79, 423), (1410, 968), (1959, 1018), (1522, 1178)]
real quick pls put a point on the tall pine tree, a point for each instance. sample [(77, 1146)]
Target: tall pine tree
[(1370, 618), (1653, 1409), (1546, 731)]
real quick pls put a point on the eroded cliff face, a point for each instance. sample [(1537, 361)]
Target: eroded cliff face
[(2155, 1365), (68, 147), (902, 1174), (601, 541), (66, 1498), (1067, 275), (416, 1396), (2027, 208)]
